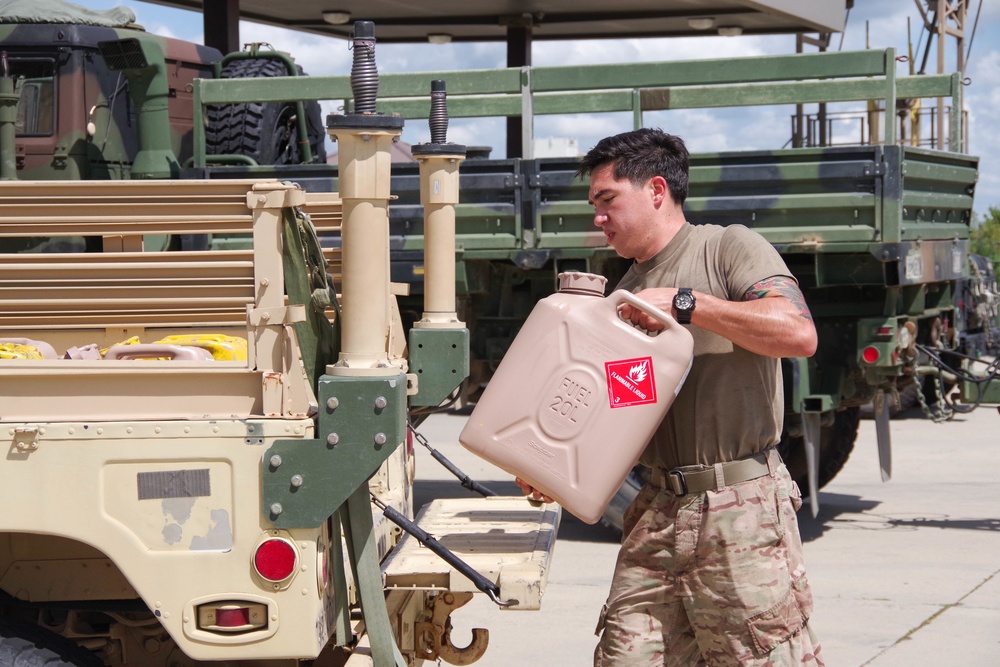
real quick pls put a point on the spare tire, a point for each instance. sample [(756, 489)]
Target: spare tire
[(265, 131)]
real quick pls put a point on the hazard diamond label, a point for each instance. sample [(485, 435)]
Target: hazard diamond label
[(630, 382)]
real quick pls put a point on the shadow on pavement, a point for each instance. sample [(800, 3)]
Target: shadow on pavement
[(846, 512), (831, 507), (961, 524), (570, 528)]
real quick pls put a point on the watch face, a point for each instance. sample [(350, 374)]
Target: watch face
[(683, 302)]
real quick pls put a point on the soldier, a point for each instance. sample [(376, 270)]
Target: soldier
[(710, 570)]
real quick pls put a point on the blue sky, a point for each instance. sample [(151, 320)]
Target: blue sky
[(703, 130)]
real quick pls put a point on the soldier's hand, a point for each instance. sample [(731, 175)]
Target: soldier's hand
[(532, 493), (661, 297)]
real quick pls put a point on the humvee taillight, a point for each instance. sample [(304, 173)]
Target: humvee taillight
[(232, 616), (275, 559)]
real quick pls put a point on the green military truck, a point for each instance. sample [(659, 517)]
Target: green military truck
[(876, 233), (100, 98)]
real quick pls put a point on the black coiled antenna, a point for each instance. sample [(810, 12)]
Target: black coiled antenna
[(364, 73), (438, 120)]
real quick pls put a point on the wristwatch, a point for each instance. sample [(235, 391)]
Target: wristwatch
[(684, 305)]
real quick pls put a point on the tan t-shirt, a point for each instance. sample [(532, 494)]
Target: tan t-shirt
[(731, 405)]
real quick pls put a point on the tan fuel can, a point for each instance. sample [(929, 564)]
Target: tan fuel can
[(579, 394)]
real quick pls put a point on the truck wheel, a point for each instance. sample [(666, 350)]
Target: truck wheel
[(266, 132), (613, 516), (836, 445), (27, 645)]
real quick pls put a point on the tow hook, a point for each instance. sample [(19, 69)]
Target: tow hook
[(434, 636)]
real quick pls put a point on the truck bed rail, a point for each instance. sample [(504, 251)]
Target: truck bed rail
[(71, 299)]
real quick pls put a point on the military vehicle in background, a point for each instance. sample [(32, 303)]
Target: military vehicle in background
[(877, 233), (101, 98)]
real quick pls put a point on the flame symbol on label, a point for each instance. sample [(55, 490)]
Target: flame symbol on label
[(638, 372)]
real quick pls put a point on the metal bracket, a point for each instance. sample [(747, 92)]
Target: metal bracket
[(433, 636), (440, 359), (25, 439), (276, 316), (361, 422)]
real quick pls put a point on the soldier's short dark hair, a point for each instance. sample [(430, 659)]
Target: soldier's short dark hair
[(640, 155)]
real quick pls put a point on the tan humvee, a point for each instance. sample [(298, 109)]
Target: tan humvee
[(143, 522)]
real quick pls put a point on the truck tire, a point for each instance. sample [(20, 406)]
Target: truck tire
[(614, 514), (27, 645), (266, 132), (836, 445)]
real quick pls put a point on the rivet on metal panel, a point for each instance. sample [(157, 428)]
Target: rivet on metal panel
[(332, 439), (380, 438), (380, 402), (332, 403), (296, 481), (275, 461), (276, 509)]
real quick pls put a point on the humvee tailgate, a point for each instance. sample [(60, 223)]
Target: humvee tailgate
[(506, 539)]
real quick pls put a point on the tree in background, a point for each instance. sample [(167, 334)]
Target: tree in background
[(985, 237)]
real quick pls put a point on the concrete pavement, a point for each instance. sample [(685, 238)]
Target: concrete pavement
[(904, 574)]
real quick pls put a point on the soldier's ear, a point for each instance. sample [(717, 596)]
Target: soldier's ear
[(658, 188)]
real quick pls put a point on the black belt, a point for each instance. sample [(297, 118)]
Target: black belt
[(700, 478)]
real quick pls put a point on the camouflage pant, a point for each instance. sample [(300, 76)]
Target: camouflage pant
[(711, 579)]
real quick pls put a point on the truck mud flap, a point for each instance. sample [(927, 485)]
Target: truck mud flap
[(506, 539)]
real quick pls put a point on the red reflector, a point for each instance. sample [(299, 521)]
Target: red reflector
[(232, 618), (883, 331), (275, 560), (870, 354)]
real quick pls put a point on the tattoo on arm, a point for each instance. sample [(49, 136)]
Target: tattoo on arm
[(782, 286)]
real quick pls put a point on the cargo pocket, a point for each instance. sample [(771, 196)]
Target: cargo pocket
[(795, 494), (771, 627)]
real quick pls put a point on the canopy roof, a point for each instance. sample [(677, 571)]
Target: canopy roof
[(398, 21)]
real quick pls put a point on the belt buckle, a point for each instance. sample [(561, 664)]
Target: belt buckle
[(681, 484)]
